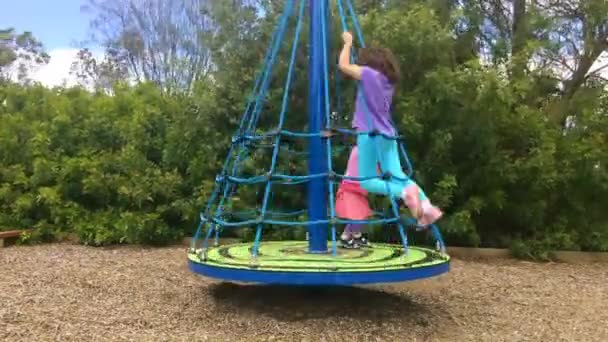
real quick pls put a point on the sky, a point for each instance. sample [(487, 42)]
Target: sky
[(59, 24)]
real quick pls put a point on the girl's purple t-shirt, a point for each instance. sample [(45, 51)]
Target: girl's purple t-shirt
[(379, 95)]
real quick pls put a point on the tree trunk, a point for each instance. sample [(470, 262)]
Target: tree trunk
[(519, 38)]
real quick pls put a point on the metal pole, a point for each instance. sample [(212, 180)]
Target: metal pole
[(317, 162)]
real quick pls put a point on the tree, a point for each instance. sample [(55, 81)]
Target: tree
[(99, 74), (161, 41), (19, 52), (581, 38)]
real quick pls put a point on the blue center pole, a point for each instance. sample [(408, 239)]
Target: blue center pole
[(317, 162)]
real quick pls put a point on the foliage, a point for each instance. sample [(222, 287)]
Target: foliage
[(108, 168), (19, 52), (160, 41), (487, 148), (513, 149)]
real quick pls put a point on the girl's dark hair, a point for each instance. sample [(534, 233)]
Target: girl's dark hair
[(382, 60)]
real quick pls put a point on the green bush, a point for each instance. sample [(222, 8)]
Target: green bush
[(110, 169)]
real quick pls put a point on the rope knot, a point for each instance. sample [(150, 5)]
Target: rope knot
[(373, 133), (387, 176), (236, 139), (328, 132)]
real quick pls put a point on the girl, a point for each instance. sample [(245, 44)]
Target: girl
[(352, 204), (378, 74)]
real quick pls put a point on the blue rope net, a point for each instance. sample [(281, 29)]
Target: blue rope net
[(250, 140)]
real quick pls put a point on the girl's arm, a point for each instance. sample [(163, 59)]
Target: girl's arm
[(344, 64)]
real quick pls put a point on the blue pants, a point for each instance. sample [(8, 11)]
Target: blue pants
[(378, 149)]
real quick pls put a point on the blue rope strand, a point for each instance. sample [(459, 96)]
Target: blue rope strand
[(288, 133), (222, 222), (275, 49), (241, 143), (342, 16), (229, 192), (290, 178), (259, 76), (356, 25), (268, 213), (269, 62), (274, 40), (262, 74), (402, 148), (281, 119), (362, 41), (328, 125), (361, 94), (278, 214)]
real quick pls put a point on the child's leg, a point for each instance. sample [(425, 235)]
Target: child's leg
[(413, 196), (352, 229), (350, 236), (368, 161), (390, 162), (347, 233), (351, 165), (355, 229)]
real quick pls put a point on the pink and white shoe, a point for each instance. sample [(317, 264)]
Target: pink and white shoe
[(430, 214), (425, 213)]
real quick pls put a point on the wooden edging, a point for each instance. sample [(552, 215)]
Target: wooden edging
[(475, 253), (187, 241), (580, 257), (572, 257), (11, 235)]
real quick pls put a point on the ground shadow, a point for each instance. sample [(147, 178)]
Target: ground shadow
[(288, 303)]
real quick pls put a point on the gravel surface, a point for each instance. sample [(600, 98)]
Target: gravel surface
[(75, 293)]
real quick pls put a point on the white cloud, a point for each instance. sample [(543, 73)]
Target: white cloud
[(57, 71)]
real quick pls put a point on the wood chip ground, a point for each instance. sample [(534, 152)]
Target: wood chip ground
[(64, 292)]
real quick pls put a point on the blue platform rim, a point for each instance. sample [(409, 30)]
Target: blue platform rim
[(318, 278)]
